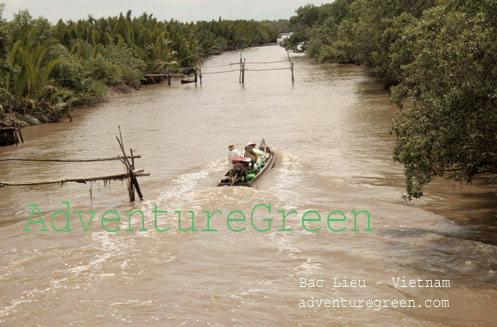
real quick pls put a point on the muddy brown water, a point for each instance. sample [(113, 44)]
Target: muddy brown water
[(330, 133)]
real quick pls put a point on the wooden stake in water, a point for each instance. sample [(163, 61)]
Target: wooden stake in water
[(291, 65), (200, 72), (243, 71), (240, 77), (133, 182)]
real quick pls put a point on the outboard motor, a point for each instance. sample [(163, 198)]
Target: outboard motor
[(242, 160), (240, 167)]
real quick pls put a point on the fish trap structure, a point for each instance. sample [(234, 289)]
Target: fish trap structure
[(194, 74), (128, 161)]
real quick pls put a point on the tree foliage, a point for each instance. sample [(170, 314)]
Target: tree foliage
[(439, 57), (72, 62), (450, 127)]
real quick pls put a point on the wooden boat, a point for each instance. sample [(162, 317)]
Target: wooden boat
[(269, 160), (188, 79)]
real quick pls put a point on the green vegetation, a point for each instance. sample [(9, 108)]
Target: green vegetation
[(438, 57), (46, 69)]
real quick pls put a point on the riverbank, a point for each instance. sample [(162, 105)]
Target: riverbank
[(16, 119), (52, 69)]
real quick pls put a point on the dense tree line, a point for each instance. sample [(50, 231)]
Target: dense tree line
[(46, 69), (439, 59)]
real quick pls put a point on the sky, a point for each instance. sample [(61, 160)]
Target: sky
[(182, 10)]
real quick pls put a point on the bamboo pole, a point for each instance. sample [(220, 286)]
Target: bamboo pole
[(291, 65), (293, 78), (266, 69), (240, 77), (69, 160), (127, 166), (164, 74), (131, 190), (132, 178), (84, 180), (132, 159), (20, 134), (132, 196), (243, 71), (17, 134)]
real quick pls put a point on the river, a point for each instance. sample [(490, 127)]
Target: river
[(334, 152)]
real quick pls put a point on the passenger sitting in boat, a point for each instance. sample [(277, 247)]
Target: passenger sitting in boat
[(250, 153), (259, 152), (233, 153)]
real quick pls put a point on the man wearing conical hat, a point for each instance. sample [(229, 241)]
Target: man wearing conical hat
[(259, 152), (250, 153)]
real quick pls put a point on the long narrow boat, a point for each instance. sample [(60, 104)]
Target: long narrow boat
[(268, 163), (188, 79)]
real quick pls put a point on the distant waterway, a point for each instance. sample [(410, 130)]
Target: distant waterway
[(330, 131)]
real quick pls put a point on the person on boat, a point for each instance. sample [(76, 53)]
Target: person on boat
[(233, 153), (250, 153), (261, 155), (259, 152)]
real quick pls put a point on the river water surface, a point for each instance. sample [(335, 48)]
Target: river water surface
[(330, 133)]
